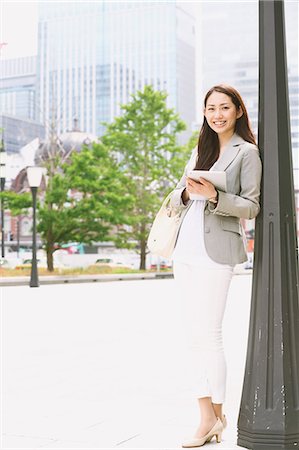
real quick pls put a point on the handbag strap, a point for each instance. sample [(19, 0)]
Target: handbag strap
[(169, 208)]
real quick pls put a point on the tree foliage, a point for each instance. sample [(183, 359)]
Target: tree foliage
[(145, 140), (85, 198), (16, 203), (112, 190)]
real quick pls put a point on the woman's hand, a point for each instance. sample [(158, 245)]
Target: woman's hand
[(204, 188)]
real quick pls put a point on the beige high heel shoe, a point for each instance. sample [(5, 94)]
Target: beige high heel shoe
[(216, 430), (224, 423)]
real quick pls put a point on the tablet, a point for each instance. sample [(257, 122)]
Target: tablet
[(217, 178)]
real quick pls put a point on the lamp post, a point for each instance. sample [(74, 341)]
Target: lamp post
[(269, 412), (18, 236), (34, 176), (3, 157)]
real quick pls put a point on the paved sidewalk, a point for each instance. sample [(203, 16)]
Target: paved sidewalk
[(103, 365)]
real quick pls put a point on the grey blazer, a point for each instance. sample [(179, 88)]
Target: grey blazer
[(224, 236)]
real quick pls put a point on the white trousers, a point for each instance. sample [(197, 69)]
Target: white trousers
[(203, 294)]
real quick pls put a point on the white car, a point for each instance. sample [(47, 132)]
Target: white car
[(249, 263), (10, 263)]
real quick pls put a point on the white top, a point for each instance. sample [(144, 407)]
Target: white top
[(190, 247)]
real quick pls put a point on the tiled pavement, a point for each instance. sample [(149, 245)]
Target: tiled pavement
[(102, 365)]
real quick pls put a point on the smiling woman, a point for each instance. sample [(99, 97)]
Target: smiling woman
[(19, 29), (211, 241)]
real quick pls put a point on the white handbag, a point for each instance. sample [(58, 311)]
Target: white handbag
[(165, 228)]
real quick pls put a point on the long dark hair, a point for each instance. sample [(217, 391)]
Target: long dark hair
[(208, 143)]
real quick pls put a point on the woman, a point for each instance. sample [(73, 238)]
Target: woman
[(211, 241)]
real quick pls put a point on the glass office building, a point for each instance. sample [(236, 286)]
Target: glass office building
[(18, 132), (18, 87), (93, 56), (18, 108)]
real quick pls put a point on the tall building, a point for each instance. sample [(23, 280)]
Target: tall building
[(18, 87), (19, 132), (93, 56), (18, 105)]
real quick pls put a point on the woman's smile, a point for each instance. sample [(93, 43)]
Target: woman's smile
[(219, 124)]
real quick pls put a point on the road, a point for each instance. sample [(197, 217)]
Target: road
[(103, 365)]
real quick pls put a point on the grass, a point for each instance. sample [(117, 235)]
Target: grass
[(90, 270)]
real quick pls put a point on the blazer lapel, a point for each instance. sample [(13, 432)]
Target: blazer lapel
[(230, 153)]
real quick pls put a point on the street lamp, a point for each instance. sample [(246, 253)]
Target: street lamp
[(3, 157), (269, 410), (34, 176)]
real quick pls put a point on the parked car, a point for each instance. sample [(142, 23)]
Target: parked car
[(41, 262), (104, 261), (249, 263), (111, 263), (163, 265), (10, 263), (26, 264), (6, 264)]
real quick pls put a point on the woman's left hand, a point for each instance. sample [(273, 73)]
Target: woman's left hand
[(204, 187)]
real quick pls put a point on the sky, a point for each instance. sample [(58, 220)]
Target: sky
[(18, 28)]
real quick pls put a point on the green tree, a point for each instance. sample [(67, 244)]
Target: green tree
[(192, 142), (145, 140), (15, 203), (86, 197), (11, 201)]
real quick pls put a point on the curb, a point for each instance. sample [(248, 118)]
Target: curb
[(48, 279)]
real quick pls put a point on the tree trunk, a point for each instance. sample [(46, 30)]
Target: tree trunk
[(142, 254), (50, 263), (50, 246)]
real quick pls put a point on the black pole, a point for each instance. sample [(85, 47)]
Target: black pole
[(269, 411), (2, 221), (18, 236), (34, 273)]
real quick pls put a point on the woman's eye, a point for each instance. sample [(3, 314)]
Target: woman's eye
[(212, 109)]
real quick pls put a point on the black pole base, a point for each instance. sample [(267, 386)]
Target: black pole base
[(34, 279), (267, 441)]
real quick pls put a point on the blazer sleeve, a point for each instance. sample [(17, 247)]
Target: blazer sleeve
[(246, 204), (176, 196)]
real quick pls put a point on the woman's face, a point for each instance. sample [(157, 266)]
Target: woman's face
[(221, 113)]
